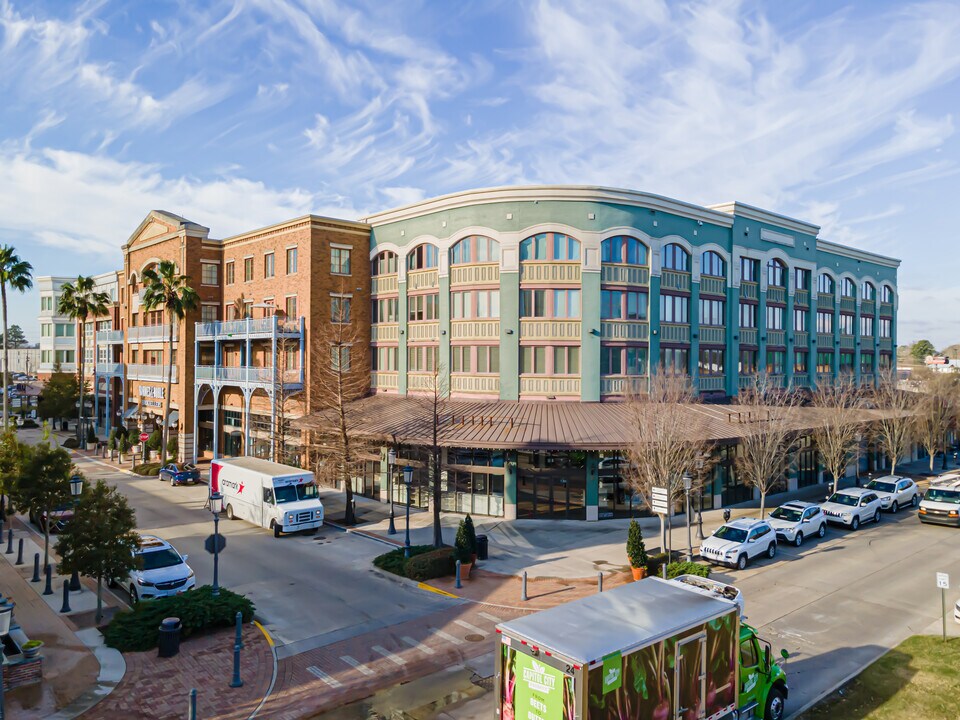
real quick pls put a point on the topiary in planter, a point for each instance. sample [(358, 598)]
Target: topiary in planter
[(636, 550), (155, 440), (466, 541)]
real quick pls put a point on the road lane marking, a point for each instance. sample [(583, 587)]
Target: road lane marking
[(417, 645), (471, 628), (491, 618), (357, 664), (389, 655), (332, 682), (447, 636)]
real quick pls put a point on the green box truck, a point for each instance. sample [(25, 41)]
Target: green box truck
[(650, 650)]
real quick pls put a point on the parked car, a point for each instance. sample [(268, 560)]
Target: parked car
[(941, 503), (852, 507), (59, 518), (180, 473), (161, 571), (795, 521), (895, 492), (738, 542)]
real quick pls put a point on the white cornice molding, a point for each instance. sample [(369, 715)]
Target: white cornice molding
[(855, 254), (750, 212), (533, 193)]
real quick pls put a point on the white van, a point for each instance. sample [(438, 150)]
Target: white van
[(941, 502), (274, 496)]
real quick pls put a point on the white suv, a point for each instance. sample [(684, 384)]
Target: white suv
[(739, 542), (161, 571), (794, 521), (941, 503), (852, 507), (895, 492)]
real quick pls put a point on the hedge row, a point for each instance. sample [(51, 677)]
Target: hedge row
[(425, 562)]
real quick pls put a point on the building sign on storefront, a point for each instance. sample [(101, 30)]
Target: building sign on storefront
[(152, 396)]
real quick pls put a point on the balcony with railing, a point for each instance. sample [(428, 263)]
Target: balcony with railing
[(826, 301), (623, 384), (886, 343), (847, 342), (549, 385), (248, 328), (886, 309), (868, 307), (540, 329), (748, 336), (109, 369), (712, 285), (711, 335), (488, 273), (746, 381), (423, 331), (109, 337), (624, 330), (158, 373), (674, 280), (824, 378), (624, 274), (422, 280), (486, 384), (475, 330), (867, 378), (848, 304), (711, 383), (549, 272), (384, 332), (777, 338), (249, 376), (802, 298), (777, 295), (152, 333), (384, 380), (674, 333), (802, 338), (825, 341), (749, 291), (384, 285)]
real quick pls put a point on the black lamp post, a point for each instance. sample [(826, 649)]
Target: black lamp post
[(216, 505), (76, 489), (408, 480), (700, 500), (391, 463), (687, 485)]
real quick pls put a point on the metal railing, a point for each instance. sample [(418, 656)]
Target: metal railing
[(673, 280), (109, 337), (139, 371), (624, 330), (625, 274), (777, 295), (109, 368), (802, 297), (749, 290), (246, 375), (712, 285), (247, 327), (152, 333), (674, 333)]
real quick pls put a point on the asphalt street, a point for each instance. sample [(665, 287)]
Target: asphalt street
[(309, 589)]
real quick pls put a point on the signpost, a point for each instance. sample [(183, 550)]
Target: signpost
[(660, 504), (144, 437), (943, 582)]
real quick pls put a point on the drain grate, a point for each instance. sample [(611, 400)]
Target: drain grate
[(473, 637), (484, 682)]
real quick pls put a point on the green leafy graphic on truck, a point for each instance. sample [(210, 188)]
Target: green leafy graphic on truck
[(533, 690), (650, 687)]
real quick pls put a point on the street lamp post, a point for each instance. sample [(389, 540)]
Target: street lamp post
[(408, 480), (687, 484), (6, 612), (700, 500), (216, 505), (76, 488), (391, 462)]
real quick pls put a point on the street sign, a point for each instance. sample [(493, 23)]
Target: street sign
[(659, 500), (215, 543), (144, 437), (943, 581)]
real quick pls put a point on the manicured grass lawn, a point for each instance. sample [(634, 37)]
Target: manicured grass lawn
[(918, 679)]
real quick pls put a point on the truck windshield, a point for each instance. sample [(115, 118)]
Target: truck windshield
[(731, 533), (844, 499), (292, 493), (788, 514), (944, 496), (882, 486)]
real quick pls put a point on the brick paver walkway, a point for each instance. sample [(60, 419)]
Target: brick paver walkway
[(155, 688)]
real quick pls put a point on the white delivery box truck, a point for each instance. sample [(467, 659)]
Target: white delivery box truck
[(278, 497)]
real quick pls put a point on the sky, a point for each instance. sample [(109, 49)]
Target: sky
[(241, 113)]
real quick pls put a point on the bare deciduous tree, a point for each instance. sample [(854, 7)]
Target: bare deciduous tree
[(893, 428), (763, 452), (663, 445), (431, 408), (936, 409), (287, 403), (839, 423)]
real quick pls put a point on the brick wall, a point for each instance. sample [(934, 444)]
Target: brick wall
[(27, 672)]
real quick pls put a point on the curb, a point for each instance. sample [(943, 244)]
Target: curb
[(273, 678), (834, 688)]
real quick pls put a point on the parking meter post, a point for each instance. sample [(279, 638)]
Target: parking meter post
[(19, 552), (36, 568)]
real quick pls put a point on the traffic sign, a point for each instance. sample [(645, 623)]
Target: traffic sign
[(215, 543), (144, 437), (943, 581)]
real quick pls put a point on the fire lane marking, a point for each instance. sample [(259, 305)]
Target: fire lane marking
[(417, 645), (471, 628), (397, 660), (447, 636), (332, 682), (492, 618), (357, 664)]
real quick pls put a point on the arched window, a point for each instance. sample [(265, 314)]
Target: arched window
[(825, 284), (776, 273), (675, 258), (422, 257), (550, 246), (711, 263), (887, 296), (868, 291), (623, 249), (848, 288), (475, 249), (384, 264)]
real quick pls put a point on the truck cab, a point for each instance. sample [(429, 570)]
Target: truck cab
[(763, 683)]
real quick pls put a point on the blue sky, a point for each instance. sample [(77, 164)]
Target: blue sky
[(241, 113)]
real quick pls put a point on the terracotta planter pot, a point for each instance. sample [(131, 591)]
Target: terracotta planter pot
[(465, 569), (638, 573)]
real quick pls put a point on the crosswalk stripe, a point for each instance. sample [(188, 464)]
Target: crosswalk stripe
[(491, 618), (418, 645), (447, 636), (389, 655), (332, 682), (357, 664), (471, 628)]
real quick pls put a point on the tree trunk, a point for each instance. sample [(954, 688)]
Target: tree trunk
[(99, 600), (763, 503), (80, 384), (6, 360), (165, 434), (348, 516)]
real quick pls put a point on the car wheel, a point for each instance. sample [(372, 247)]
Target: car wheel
[(276, 529), (173, 482), (855, 524), (111, 583), (742, 562), (230, 515), (895, 507), (798, 540), (132, 590), (823, 530), (876, 516), (772, 550), (775, 705), (915, 500)]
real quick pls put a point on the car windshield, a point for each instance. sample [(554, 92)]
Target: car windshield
[(785, 513), (944, 496), (292, 493), (882, 486), (844, 499), (731, 533), (168, 557)]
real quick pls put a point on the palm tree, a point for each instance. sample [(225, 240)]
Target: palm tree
[(17, 274), (79, 300), (164, 287)]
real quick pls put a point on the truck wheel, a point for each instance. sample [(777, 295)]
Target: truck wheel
[(742, 562), (230, 515), (775, 705), (276, 529), (798, 540)]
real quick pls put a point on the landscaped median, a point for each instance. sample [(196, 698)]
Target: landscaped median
[(919, 678)]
